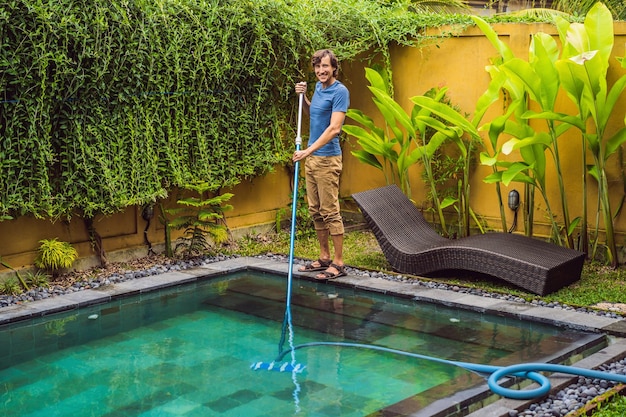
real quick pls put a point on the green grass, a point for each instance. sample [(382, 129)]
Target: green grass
[(614, 408)]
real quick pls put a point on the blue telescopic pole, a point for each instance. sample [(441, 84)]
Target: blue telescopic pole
[(290, 366), (287, 320)]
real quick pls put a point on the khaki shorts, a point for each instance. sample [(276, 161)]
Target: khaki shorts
[(322, 190)]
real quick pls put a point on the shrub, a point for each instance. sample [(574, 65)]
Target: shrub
[(55, 256)]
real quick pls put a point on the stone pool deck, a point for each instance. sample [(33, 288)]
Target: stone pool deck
[(615, 328)]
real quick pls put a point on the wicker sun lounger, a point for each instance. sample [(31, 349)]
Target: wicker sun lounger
[(412, 246)]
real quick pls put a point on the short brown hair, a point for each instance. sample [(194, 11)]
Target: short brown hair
[(317, 58)]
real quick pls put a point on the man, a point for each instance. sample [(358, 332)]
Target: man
[(323, 165)]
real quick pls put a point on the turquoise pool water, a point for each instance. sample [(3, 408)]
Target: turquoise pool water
[(186, 351)]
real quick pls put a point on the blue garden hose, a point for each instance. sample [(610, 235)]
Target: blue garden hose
[(496, 373)]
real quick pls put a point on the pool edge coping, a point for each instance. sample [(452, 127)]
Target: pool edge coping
[(482, 304)]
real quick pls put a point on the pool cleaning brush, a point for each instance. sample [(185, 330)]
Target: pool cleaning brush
[(278, 367), (287, 325)]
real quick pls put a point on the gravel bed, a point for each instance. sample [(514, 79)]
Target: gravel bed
[(85, 281), (556, 405)]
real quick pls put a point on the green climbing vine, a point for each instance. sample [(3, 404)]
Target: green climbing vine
[(106, 105)]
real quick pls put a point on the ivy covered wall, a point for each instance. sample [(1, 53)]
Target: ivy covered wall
[(109, 104)]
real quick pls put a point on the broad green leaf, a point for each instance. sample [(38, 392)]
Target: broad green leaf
[(448, 201), (599, 29), (562, 26), (435, 142), (518, 130), (490, 96), (574, 87), (544, 53), (502, 48), (536, 155), (613, 97), (577, 38), (370, 142), (418, 111), (447, 113), (367, 158), (594, 172), (573, 225), (360, 117), (515, 172), (540, 138), (488, 160), (523, 71), (498, 124), (559, 117), (493, 178), (615, 142), (414, 156), (393, 109), (387, 113), (375, 79)]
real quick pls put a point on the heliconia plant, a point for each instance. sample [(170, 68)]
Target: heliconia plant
[(580, 69), (583, 68), (402, 142)]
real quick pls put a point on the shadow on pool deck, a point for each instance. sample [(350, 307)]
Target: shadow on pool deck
[(481, 405)]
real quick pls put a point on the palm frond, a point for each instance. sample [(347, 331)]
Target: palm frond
[(440, 6), (581, 7), (540, 13)]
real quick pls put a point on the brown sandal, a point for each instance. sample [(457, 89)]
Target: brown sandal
[(326, 275), (309, 267)]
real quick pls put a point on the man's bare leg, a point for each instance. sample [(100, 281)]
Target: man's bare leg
[(332, 271), (322, 237), (338, 247)]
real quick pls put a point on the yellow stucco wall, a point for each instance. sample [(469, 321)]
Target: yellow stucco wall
[(457, 62)]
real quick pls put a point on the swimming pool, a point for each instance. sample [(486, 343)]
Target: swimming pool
[(186, 350)]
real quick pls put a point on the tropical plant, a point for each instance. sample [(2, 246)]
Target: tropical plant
[(446, 164), (408, 139), (583, 69), (453, 126), (536, 80), (10, 286), (387, 148), (55, 255), (38, 279), (200, 219)]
